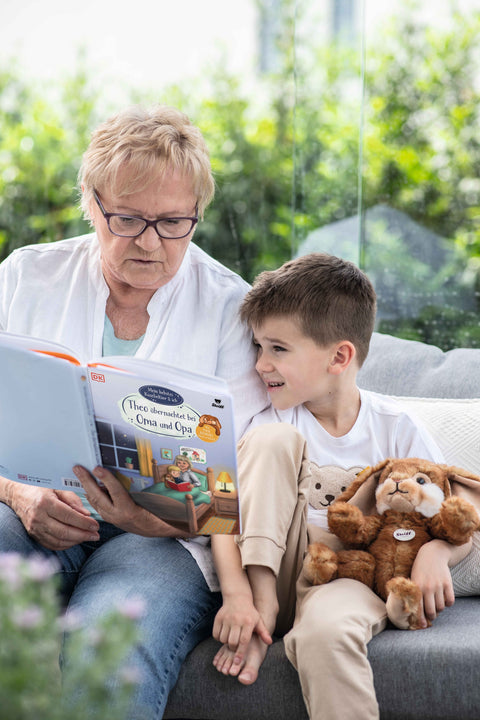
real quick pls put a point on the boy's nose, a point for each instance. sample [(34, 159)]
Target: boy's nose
[(262, 365)]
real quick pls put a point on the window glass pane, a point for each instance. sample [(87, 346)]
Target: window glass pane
[(327, 129), (404, 202), (421, 159)]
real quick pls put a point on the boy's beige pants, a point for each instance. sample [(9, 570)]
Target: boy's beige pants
[(332, 623)]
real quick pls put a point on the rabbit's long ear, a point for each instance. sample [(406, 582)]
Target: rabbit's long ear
[(362, 490), (464, 483)]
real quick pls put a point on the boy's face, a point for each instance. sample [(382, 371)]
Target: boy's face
[(294, 368)]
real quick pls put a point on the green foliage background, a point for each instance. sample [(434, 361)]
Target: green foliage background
[(308, 147)]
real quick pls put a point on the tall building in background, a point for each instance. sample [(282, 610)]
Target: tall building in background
[(269, 28), (345, 20)]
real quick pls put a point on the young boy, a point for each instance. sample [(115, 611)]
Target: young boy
[(312, 320)]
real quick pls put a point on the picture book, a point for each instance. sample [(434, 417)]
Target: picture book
[(166, 434)]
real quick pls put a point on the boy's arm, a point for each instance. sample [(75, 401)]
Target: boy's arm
[(431, 569), (238, 618), (431, 572)]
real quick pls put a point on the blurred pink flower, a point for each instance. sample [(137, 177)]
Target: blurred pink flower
[(133, 608), (41, 568), (29, 617), (11, 569)]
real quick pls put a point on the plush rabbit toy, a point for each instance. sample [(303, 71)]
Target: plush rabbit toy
[(414, 504)]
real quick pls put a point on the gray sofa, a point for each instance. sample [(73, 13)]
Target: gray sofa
[(430, 674)]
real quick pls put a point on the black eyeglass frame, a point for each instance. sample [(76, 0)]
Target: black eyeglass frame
[(148, 223)]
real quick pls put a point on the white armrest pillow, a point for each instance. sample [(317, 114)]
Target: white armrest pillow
[(454, 425)]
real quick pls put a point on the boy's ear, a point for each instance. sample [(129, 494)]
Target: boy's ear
[(342, 356)]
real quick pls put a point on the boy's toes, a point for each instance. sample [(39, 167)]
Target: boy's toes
[(223, 660)]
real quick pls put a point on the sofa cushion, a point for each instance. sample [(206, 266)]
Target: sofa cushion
[(202, 692), (405, 367), (427, 674)]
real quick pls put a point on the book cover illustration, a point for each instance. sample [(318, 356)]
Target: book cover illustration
[(171, 445)]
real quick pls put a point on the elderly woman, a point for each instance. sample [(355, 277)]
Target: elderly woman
[(137, 286)]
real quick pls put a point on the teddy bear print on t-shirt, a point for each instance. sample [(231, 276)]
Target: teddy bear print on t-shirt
[(326, 484)]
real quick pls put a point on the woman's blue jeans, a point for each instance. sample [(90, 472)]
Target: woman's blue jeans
[(179, 607)]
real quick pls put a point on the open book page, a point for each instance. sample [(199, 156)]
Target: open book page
[(48, 347), (45, 419)]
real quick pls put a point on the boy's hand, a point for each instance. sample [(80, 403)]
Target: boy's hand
[(235, 623), (431, 572)]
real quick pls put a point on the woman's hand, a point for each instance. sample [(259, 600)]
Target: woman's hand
[(116, 506), (56, 519)]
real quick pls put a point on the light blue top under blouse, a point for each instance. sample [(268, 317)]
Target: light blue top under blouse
[(115, 346)]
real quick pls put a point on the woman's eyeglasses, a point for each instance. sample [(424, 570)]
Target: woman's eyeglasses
[(169, 228)]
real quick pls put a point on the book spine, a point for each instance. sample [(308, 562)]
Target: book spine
[(91, 416)]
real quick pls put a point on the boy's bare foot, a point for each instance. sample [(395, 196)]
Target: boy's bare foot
[(254, 657), (246, 670), (245, 660)]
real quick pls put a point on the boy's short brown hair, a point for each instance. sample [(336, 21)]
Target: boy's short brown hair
[(332, 299)]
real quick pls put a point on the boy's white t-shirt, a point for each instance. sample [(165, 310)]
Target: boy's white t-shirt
[(382, 429)]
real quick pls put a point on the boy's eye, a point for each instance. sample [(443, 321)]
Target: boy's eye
[(278, 348)]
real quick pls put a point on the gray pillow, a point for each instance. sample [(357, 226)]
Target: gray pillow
[(410, 368)]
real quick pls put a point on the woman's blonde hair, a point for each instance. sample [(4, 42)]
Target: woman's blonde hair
[(137, 146)]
